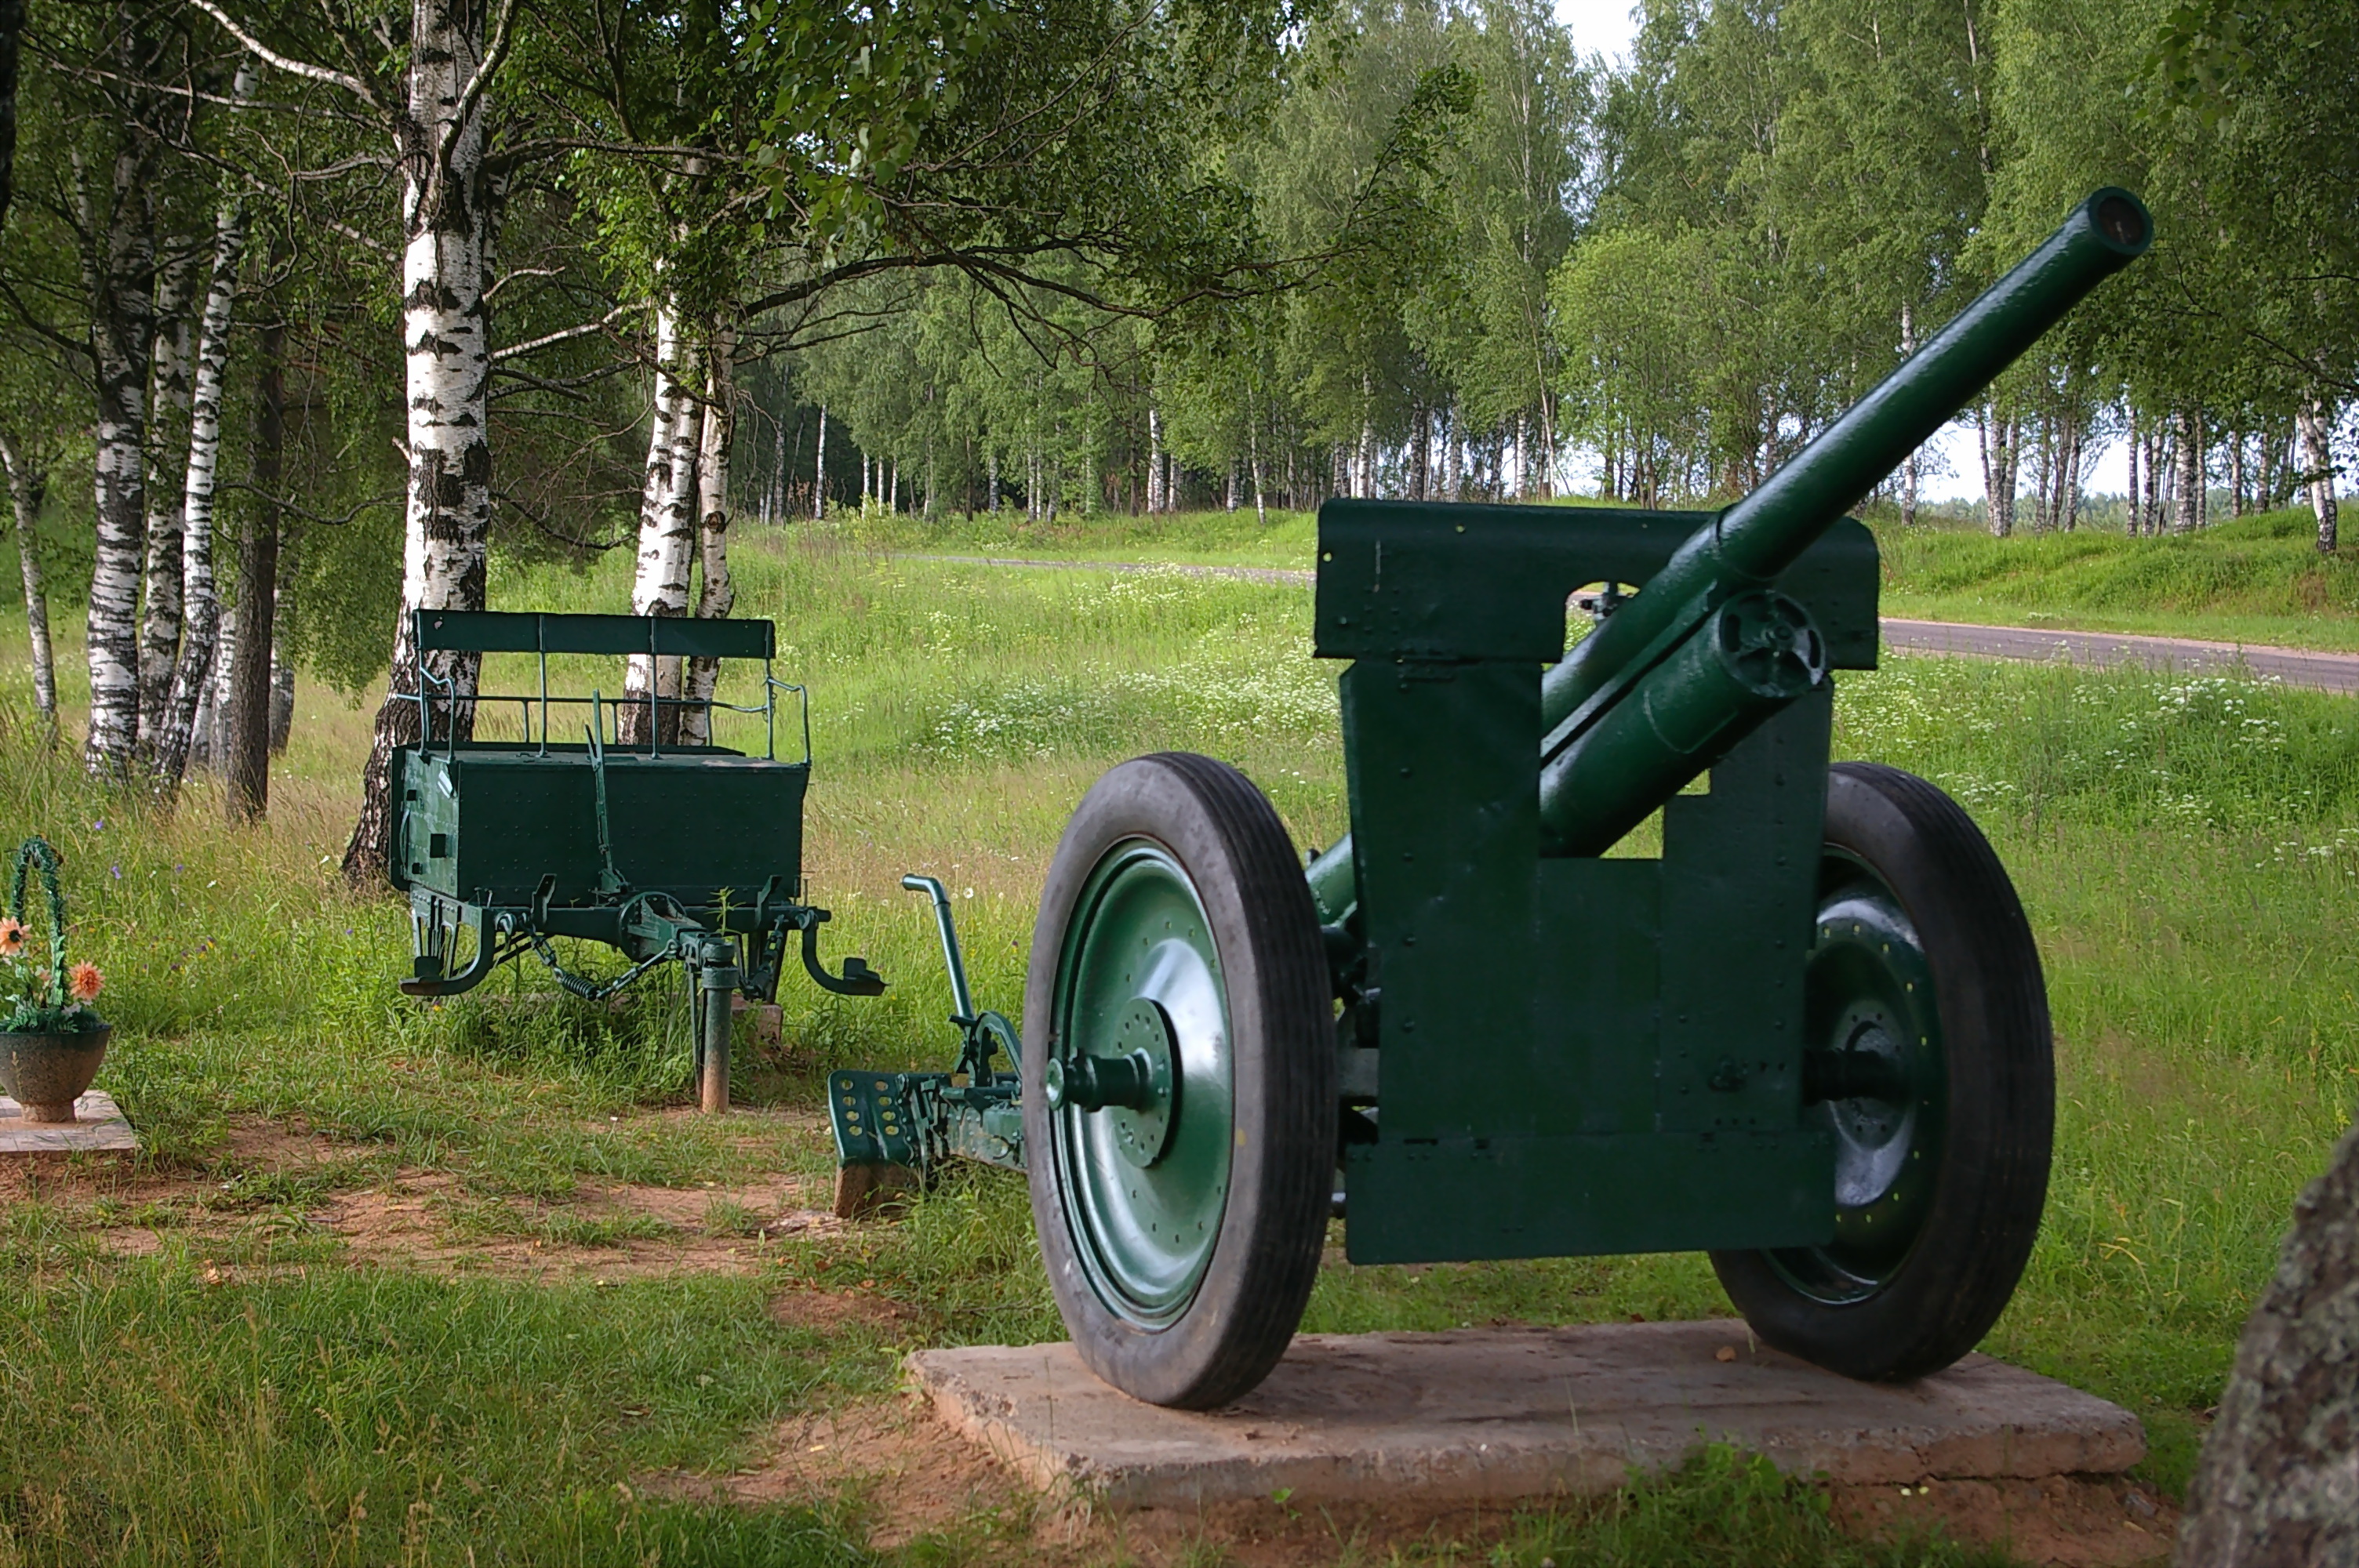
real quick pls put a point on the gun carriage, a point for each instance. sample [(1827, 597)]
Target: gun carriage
[(1809, 1036)]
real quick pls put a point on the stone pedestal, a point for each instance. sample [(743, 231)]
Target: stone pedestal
[(98, 1124), (1499, 1414)]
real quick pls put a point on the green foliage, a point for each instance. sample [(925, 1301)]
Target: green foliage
[(43, 998), (1723, 1507)]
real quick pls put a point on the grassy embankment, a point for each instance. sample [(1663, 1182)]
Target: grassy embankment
[(2254, 580), (203, 1360)]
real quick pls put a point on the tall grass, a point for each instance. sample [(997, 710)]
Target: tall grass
[(2188, 851), (2254, 580)]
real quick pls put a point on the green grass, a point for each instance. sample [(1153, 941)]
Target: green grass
[(253, 1390), (2252, 579), (1287, 540), (2256, 580)]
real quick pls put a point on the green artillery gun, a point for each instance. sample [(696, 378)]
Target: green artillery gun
[(669, 852), (1810, 1037)]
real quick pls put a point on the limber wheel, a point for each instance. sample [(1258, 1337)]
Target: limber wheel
[(1179, 1082), (1931, 1064)]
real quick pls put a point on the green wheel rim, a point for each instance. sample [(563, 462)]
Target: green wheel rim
[(1870, 989), (1144, 1232)]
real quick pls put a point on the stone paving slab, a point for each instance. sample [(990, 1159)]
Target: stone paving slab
[(99, 1124), (1516, 1412)]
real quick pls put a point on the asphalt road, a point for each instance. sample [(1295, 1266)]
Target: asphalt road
[(2294, 667)]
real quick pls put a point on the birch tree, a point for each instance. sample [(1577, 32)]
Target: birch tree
[(194, 665), (170, 367), (717, 593), (667, 553), (434, 114), (111, 176), (28, 481)]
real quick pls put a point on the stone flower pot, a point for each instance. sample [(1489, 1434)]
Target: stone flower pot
[(47, 1073)]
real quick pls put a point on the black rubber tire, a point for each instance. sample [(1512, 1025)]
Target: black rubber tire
[(1264, 1257), (1997, 1069)]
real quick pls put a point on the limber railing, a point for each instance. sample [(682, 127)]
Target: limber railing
[(541, 634)]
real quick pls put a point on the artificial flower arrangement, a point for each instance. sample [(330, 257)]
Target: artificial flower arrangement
[(51, 1040)]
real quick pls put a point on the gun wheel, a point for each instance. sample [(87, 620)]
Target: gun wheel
[(1179, 1082), (1925, 985)]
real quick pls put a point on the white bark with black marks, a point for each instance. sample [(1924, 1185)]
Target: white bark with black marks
[(2277, 1485), (2314, 419), (192, 669), (28, 483), (667, 530), (2002, 460), (169, 370), (119, 278), (717, 594), (446, 213), (2187, 511)]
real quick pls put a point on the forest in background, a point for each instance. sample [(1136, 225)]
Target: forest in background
[(303, 310)]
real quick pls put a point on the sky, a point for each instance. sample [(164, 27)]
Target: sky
[(1604, 26), (1607, 28)]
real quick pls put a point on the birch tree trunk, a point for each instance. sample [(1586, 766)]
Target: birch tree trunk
[(1155, 497), (119, 269), (2075, 445), (1252, 451), (2131, 501), (1909, 470), (209, 740), (1999, 460), (819, 471), (2189, 510), (717, 595), (2314, 419), (280, 721), (247, 762), (446, 214), (201, 601), (667, 535), (2277, 1484), (27, 483), (168, 368)]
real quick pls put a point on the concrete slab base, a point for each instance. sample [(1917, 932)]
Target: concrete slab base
[(99, 1124), (1495, 1414)]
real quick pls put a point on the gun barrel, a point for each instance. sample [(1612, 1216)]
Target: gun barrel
[(1759, 537), (1748, 544)]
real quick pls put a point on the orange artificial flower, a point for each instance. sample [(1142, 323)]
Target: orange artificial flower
[(12, 938), (83, 981)]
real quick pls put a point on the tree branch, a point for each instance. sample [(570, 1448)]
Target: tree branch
[(567, 334), (272, 58)]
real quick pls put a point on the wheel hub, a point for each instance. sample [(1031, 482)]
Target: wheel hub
[(1874, 1073), (1134, 1084), (1139, 1085)]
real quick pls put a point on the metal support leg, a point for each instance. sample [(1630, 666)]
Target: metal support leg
[(718, 977)]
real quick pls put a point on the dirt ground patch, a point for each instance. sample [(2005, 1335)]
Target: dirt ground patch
[(412, 1217), (911, 1476), (606, 1232), (2071, 1522)]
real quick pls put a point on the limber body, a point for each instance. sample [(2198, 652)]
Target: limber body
[(1658, 692)]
